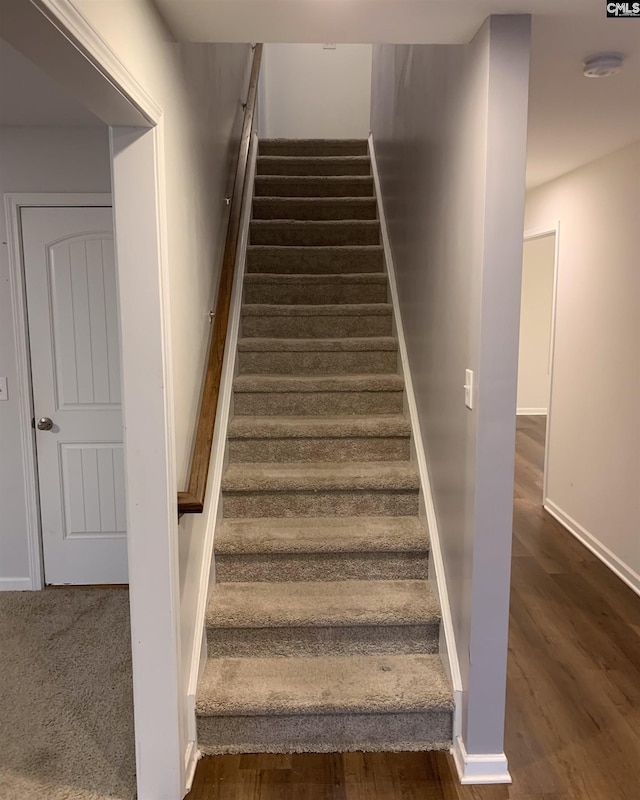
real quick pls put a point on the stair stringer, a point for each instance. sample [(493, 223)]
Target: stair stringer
[(213, 505), (437, 576)]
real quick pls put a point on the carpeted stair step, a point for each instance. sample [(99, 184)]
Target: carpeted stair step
[(372, 488), (313, 186), (313, 165), (324, 704), (269, 289), (321, 549), (282, 439), (313, 147), (318, 208), (311, 233), (305, 321), (322, 618), (315, 260), (349, 356), (340, 395)]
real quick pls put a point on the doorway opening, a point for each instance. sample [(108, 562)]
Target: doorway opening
[(535, 360)]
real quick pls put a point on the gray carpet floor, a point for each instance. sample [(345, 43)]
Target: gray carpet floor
[(66, 705)]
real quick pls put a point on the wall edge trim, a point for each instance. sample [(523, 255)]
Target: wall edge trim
[(198, 655), (447, 638)]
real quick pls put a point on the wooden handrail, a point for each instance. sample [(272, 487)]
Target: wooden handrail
[(192, 501)]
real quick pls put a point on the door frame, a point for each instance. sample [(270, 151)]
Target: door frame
[(14, 203), (539, 233)]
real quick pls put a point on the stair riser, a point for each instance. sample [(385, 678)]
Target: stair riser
[(314, 234), (332, 209), (319, 187), (320, 503), (309, 167), (303, 404), (338, 450), (321, 326), (325, 733), (314, 294), (322, 641), (312, 147), (309, 261), (322, 567)]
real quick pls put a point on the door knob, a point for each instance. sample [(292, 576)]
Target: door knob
[(45, 424)]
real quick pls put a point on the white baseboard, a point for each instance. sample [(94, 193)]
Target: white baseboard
[(217, 463), (532, 412), (615, 564), (479, 769), (438, 580), (15, 585), (191, 758)]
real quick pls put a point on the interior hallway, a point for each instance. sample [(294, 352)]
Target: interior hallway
[(573, 706)]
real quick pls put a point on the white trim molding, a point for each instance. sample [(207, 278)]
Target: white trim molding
[(448, 648), (216, 467), (15, 584), (13, 203), (610, 559), (68, 19), (531, 412), (479, 769)]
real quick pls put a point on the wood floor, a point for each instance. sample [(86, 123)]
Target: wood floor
[(573, 697)]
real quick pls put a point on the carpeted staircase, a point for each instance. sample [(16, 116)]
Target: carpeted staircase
[(322, 629)]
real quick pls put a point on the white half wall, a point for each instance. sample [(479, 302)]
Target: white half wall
[(593, 458), (534, 357), (313, 92), (34, 159), (453, 188)]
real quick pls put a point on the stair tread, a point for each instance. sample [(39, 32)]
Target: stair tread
[(311, 178), (330, 309), (324, 685), (321, 535), (321, 476), (325, 248), (251, 427), (322, 604), (313, 279), (314, 201), (359, 159), (318, 383), (264, 344), (315, 223)]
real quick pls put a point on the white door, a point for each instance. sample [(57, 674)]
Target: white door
[(75, 366)]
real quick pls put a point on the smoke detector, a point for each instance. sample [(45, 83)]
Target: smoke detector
[(602, 66)]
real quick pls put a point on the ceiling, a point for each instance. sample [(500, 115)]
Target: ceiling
[(572, 120), (29, 97)]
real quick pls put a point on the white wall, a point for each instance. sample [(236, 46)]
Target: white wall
[(33, 160), (311, 92), (453, 189), (594, 434), (538, 264)]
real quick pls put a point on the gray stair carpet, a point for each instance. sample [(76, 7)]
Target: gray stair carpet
[(322, 627)]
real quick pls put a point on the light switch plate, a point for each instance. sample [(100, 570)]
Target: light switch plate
[(3, 389), (468, 388)]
